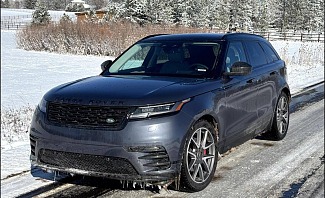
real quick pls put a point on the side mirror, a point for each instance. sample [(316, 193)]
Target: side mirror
[(239, 69), (106, 64)]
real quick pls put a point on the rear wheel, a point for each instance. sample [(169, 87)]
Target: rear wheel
[(281, 118), (200, 157)]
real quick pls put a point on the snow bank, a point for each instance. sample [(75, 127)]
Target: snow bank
[(305, 62)]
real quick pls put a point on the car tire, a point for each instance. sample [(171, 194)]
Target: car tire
[(280, 121), (200, 157)]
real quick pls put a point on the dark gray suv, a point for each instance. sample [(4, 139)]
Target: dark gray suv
[(164, 109)]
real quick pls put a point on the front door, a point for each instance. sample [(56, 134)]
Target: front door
[(240, 114)]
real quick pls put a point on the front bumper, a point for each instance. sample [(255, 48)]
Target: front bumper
[(147, 150)]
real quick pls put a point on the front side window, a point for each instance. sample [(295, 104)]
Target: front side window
[(168, 58), (235, 53)]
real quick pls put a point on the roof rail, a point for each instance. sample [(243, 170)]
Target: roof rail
[(153, 35), (240, 33)]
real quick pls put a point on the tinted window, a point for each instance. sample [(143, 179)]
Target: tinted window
[(255, 53), (235, 53), (195, 59), (270, 54)]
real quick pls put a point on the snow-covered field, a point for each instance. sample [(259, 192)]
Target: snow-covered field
[(7, 13)]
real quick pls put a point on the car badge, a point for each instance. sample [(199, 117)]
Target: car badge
[(110, 120)]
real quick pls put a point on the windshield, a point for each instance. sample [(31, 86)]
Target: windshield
[(168, 58)]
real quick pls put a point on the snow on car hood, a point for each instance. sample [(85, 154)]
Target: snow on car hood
[(129, 90)]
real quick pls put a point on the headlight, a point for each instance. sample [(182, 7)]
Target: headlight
[(42, 105), (148, 111)]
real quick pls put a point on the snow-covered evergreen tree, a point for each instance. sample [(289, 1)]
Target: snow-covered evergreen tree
[(136, 11), (30, 4), (316, 15), (54, 4), (114, 12), (65, 18), (5, 3), (243, 15), (221, 15), (261, 17), (41, 15)]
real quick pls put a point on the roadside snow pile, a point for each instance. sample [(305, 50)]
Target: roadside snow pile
[(15, 124), (305, 62)]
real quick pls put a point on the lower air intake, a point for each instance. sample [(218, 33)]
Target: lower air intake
[(86, 162)]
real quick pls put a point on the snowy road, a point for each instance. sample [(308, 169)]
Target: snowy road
[(293, 167)]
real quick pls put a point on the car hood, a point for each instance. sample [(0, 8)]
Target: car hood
[(129, 90)]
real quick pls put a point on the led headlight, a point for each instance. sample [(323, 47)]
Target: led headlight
[(42, 105), (148, 111)]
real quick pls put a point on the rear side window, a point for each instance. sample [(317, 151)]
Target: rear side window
[(255, 53), (270, 54)]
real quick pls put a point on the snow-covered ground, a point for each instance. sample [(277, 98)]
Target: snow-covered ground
[(27, 75)]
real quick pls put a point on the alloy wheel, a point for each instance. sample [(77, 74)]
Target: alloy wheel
[(282, 115), (200, 155)]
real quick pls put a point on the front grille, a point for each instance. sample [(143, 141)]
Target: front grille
[(86, 162), (87, 115)]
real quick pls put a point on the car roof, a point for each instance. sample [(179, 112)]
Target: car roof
[(201, 37)]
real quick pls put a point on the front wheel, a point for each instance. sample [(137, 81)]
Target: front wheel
[(200, 156), (280, 118)]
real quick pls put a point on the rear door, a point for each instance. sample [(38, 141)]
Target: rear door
[(265, 76)]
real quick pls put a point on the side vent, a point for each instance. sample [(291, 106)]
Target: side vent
[(32, 144), (154, 157)]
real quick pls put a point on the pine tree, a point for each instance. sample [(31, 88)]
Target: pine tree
[(261, 18), (222, 15), (41, 15), (65, 19), (135, 11), (30, 4), (317, 15), (5, 4), (245, 15), (56, 4)]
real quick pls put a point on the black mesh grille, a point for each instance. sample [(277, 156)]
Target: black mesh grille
[(87, 115), (96, 163)]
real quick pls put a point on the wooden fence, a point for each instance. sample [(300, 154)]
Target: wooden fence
[(11, 25), (11, 18), (292, 36)]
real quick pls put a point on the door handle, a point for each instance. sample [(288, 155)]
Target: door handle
[(251, 80), (272, 73)]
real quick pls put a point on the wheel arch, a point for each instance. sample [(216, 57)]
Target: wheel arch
[(207, 117), (287, 92)]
